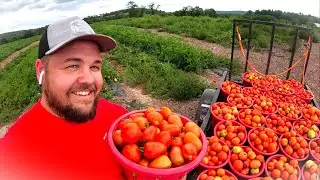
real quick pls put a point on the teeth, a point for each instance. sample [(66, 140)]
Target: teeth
[(82, 93)]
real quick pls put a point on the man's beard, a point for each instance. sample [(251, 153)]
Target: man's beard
[(68, 111)]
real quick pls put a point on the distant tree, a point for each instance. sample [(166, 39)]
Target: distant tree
[(249, 12), (142, 11), (131, 5), (27, 34), (4, 40), (210, 12), (197, 11), (153, 7)]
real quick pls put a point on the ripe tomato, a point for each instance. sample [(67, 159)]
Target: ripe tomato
[(131, 152), (130, 133), (153, 150), (164, 137), (150, 133), (155, 118)]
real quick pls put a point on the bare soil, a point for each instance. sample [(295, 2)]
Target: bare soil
[(15, 54)]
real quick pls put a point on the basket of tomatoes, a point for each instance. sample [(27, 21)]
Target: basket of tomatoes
[(157, 143)]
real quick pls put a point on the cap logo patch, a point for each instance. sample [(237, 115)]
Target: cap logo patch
[(79, 27)]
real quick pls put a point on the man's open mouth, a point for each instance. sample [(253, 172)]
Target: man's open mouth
[(82, 93)]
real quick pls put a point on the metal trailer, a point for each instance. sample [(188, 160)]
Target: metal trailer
[(211, 96)]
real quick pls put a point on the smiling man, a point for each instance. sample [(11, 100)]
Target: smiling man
[(62, 135)]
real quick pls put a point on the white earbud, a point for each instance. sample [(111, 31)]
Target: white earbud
[(40, 77)]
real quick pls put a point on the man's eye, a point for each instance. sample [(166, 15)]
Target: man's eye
[(95, 68), (72, 67)]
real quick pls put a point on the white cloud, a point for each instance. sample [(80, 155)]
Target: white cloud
[(26, 14)]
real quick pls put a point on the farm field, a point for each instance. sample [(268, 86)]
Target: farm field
[(9, 48), (151, 66), (215, 30)]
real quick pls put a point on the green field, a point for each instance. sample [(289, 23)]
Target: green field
[(166, 49), (9, 48), (216, 30), (166, 67)]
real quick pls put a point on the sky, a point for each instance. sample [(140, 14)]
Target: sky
[(29, 14)]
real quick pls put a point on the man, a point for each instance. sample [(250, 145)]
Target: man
[(62, 135)]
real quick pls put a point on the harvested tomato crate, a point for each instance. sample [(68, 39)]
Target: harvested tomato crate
[(278, 91)]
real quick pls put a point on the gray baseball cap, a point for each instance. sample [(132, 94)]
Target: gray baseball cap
[(66, 30)]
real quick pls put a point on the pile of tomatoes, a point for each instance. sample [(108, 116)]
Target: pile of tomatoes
[(279, 166), (158, 139), (245, 161), (217, 154)]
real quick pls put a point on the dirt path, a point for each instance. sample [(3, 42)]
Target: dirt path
[(16, 54), (279, 62), (136, 95), (132, 94)]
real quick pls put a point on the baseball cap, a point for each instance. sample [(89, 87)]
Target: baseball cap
[(69, 29)]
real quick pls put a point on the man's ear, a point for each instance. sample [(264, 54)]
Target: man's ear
[(39, 68)]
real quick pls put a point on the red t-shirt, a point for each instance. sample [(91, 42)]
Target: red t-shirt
[(42, 146)]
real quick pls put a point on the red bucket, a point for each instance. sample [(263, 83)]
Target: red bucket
[(141, 172), (225, 93), (306, 138), (268, 118), (300, 91), (228, 173), (287, 155), (215, 118), (278, 156), (261, 169), (291, 119), (278, 87), (302, 171), (254, 148), (246, 82), (221, 165), (257, 84), (234, 123), (249, 127), (252, 92), (248, 106), (311, 153)]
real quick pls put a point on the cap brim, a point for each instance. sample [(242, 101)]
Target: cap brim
[(105, 43)]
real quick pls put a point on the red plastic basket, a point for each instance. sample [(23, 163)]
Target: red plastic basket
[(247, 126), (252, 146), (278, 156), (262, 168), (311, 154), (221, 165), (215, 118), (246, 82), (226, 171), (287, 155), (306, 138), (279, 134), (228, 100), (233, 123), (141, 172)]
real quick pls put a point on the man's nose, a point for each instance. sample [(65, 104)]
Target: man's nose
[(86, 76)]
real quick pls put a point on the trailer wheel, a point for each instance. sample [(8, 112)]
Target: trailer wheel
[(204, 105)]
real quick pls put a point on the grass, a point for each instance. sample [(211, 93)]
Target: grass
[(216, 30), (159, 79), (166, 49), (9, 48), (18, 86)]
